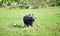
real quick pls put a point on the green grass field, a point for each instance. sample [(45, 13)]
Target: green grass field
[(47, 22)]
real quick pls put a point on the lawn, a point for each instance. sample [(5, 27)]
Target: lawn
[(47, 22)]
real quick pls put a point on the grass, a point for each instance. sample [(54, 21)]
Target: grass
[(47, 22)]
